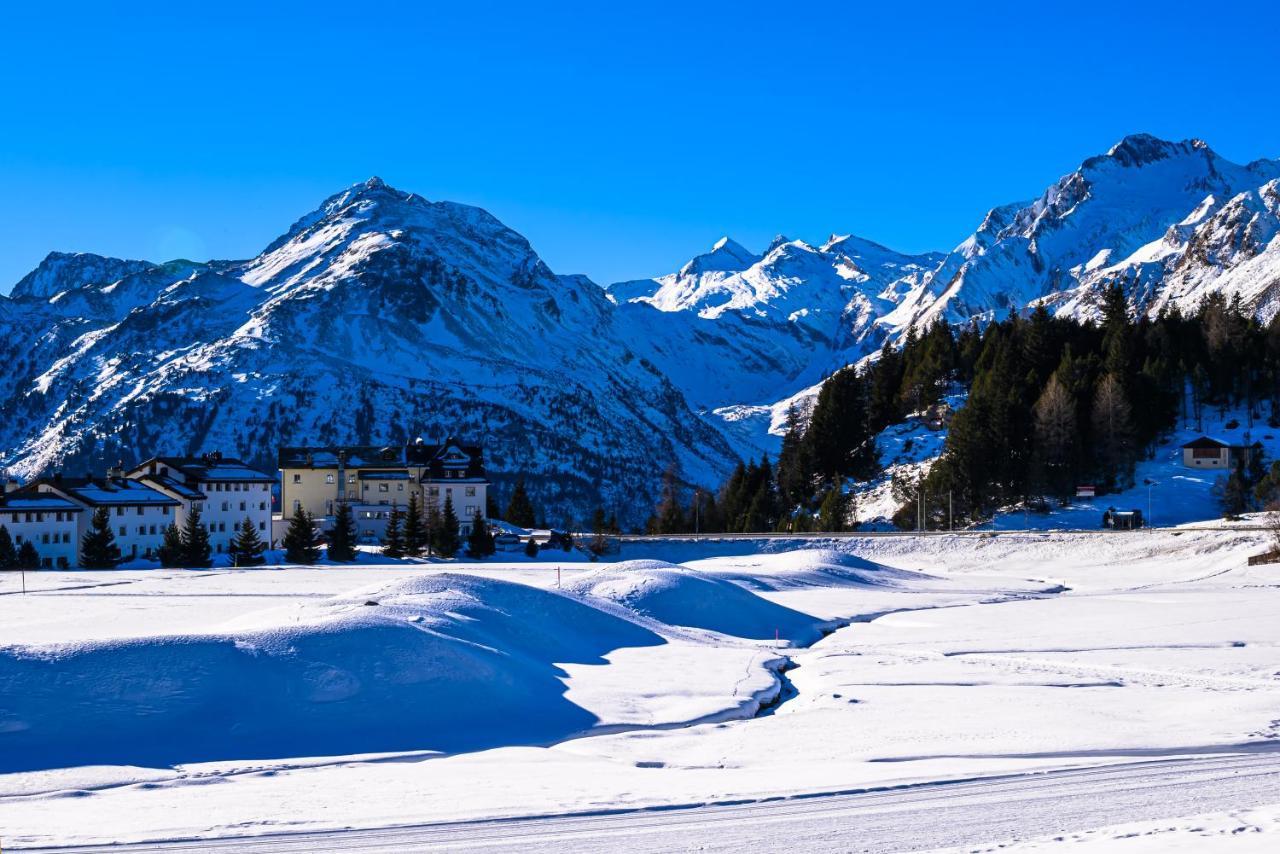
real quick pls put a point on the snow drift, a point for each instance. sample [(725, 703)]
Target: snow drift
[(684, 597), (443, 662)]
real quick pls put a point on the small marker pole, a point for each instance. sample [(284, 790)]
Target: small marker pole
[(777, 638), (557, 578)]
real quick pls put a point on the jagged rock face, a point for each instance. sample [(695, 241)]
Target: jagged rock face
[(65, 271), (378, 317)]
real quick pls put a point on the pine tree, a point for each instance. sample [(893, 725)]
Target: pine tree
[(432, 525), (393, 542), (342, 536), (520, 508), (415, 538), (531, 547), (196, 551), (301, 541), (98, 549), (28, 557), (171, 549), (480, 540), (833, 514), (8, 555), (247, 547), (447, 538)]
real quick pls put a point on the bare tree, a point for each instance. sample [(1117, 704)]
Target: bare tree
[(1055, 413)]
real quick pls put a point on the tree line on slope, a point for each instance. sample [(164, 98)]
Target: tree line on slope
[(1052, 403)]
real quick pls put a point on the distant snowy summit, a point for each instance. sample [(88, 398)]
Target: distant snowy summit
[(382, 315)]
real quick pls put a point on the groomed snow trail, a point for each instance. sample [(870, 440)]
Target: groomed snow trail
[(908, 818)]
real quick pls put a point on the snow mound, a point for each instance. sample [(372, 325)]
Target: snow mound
[(681, 596), (816, 567), (444, 662)]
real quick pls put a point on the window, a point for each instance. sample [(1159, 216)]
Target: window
[(164, 511), (262, 505), (328, 478), (262, 526), (39, 517), (368, 532), (46, 562), (242, 506), (153, 530), (66, 538), (44, 538), (226, 505), (124, 532), (18, 539), (142, 530), (139, 509), (471, 492), (471, 510), (297, 505), (382, 487), (399, 487), (119, 512), (297, 478), (28, 517), (351, 478)]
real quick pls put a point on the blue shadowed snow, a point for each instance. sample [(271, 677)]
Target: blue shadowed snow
[(444, 662)]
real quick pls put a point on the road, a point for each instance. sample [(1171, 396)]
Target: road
[(910, 818)]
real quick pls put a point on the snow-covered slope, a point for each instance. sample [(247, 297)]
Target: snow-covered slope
[(375, 318), (1145, 213), (738, 331)]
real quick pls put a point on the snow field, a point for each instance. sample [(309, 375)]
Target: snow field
[(956, 660)]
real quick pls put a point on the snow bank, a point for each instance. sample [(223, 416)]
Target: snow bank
[(814, 567), (681, 596), (443, 662)]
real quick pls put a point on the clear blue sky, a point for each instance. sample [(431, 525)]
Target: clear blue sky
[(619, 138)]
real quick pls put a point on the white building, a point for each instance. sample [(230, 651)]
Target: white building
[(225, 490), (47, 521), (139, 514)]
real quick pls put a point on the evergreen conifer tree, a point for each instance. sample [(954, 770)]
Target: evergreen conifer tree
[(247, 547), (447, 539), (414, 536), (342, 536), (8, 554), (833, 514), (171, 548), (196, 551), (480, 540), (520, 508), (28, 557), (98, 549), (531, 547), (301, 541), (393, 542)]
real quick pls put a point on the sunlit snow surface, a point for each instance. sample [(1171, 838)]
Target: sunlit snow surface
[(959, 657)]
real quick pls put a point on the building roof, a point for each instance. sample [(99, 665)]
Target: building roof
[(106, 491), (164, 482), (210, 467), (28, 499), (1207, 442), (450, 455)]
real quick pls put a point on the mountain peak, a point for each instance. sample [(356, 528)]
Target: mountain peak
[(1140, 149), (65, 271)]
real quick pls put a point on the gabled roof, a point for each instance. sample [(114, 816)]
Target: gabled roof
[(1207, 442), (209, 467), (106, 491), (164, 482), (436, 459)]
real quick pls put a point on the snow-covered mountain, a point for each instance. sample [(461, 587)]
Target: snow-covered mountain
[(378, 317), (736, 331), (1146, 213), (1171, 221)]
